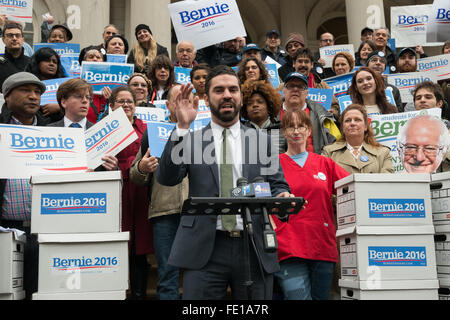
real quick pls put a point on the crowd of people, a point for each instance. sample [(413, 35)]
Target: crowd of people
[(314, 148)]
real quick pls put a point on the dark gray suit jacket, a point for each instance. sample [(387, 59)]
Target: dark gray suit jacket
[(194, 241), (60, 124)]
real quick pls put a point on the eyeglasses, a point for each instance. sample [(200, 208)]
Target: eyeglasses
[(301, 128), (291, 86), (13, 35), (124, 102), (82, 96), (429, 150), (326, 40)]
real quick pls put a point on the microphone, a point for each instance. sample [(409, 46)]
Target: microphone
[(262, 189), (240, 191)]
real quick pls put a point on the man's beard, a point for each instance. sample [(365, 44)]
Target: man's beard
[(225, 117), (408, 68)]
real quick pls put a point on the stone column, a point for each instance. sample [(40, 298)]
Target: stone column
[(153, 13), (293, 19), (360, 14)]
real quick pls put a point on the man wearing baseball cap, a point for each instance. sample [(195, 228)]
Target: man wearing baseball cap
[(407, 60), (22, 92), (325, 130), (376, 60), (272, 48), (251, 50), (366, 34)]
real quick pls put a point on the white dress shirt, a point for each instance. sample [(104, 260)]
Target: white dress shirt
[(68, 122), (235, 143)]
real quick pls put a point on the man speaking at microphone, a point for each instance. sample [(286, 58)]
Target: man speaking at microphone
[(210, 248)]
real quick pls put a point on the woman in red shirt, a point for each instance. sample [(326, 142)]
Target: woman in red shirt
[(307, 248), (134, 204)]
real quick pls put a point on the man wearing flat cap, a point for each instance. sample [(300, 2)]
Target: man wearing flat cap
[(22, 92), (273, 48)]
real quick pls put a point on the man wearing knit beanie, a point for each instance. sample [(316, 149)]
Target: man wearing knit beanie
[(294, 42)]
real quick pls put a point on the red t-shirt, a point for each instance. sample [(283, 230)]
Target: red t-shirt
[(310, 234)]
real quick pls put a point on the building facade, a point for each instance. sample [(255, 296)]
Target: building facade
[(343, 18)]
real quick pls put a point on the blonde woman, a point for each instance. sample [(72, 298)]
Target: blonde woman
[(145, 49)]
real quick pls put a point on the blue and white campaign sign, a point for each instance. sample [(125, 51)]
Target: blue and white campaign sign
[(206, 22), (60, 48), (397, 256), (386, 128), (272, 70), (70, 64), (182, 75), (73, 203), (31, 150), (162, 105), (340, 84), (49, 96), (328, 53), (106, 74), (390, 95), (438, 21), (322, 96), (15, 10), (396, 208), (117, 58), (203, 111), (150, 114), (405, 82), (438, 64), (158, 135), (344, 102), (109, 136), (408, 25)]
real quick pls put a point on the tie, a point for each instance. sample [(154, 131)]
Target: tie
[(226, 179), (75, 125)]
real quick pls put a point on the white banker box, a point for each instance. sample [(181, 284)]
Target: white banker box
[(11, 265), (70, 263), (442, 241), (389, 290), (105, 295), (401, 200), (77, 203), (440, 198), (387, 253)]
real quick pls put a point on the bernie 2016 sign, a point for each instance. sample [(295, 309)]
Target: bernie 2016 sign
[(17, 10), (106, 74)]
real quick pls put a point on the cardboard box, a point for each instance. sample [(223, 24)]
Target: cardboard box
[(387, 253), (90, 262), (12, 247), (389, 290), (384, 200), (442, 242), (106, 295), (77, 203), (440, 197), (444, 282), (16, 295)]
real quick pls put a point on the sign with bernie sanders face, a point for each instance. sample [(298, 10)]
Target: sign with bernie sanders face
[(205, 22)]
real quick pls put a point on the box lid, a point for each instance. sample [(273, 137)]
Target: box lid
[(383, 177), (385, 230), (440, 176), (443, 228), (77, 177), (83, 237), (389, 284)]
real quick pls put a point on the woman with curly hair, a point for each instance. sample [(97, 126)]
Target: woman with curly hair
[(367, 89), (261, 105), (252, 68), (145, 50)]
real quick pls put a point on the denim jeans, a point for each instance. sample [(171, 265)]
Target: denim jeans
[(164, 230), (303, 279)]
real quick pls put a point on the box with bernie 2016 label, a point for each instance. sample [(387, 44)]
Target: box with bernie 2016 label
[(76, 203), (440, 198), (387, 253), (89, 262), (401, 200), (389, 290), (12, 248)]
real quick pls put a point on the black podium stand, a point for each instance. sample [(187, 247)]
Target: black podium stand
[(265, 206)]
